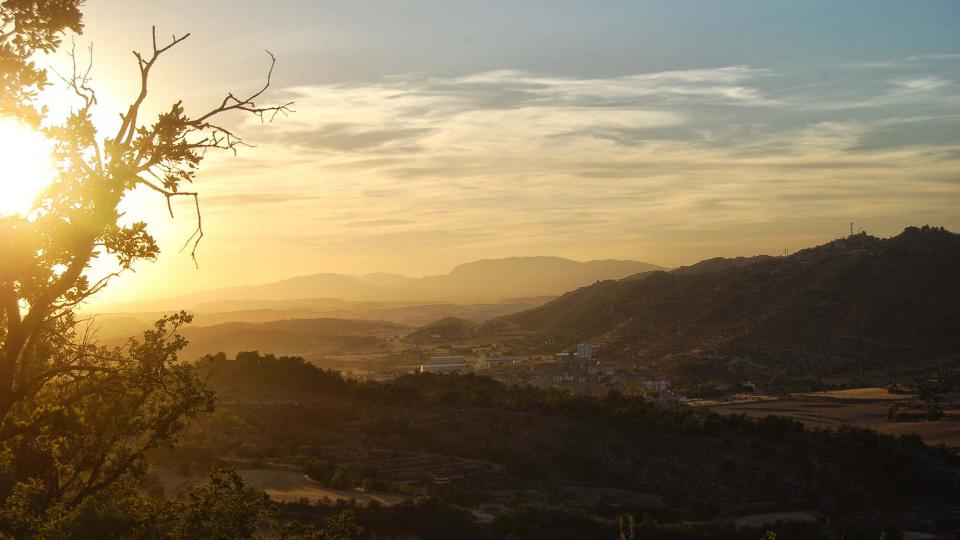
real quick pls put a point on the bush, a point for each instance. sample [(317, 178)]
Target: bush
[(319, 470), (343, 478)]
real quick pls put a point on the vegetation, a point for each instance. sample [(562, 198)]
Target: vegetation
[(853, 307), (77, 419), (81, 423), (221, 508), (445, 329), (284, 372), (669, 465)]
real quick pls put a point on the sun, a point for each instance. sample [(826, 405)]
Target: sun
[(25, 166)]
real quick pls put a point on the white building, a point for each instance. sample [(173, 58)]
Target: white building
[(584, 351), (490, 362), (445, 364)]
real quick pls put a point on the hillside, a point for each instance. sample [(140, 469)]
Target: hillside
[(295, 336), (490, 280), (852, 305), (446, 329), (506, 449)]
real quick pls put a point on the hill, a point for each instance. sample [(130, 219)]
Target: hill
[(490, 280), (114, 327), (504, 451), (445, 329), (854, 305), (294, 336)]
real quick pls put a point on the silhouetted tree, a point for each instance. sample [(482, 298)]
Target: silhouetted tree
[(76, 417)]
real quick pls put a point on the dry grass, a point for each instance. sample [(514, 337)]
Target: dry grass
[(946, 432)]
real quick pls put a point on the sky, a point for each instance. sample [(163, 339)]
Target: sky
[(432, 133)]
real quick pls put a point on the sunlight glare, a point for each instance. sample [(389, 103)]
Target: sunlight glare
[(26, 166)]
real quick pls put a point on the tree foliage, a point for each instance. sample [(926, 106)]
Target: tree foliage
[(77, 418)]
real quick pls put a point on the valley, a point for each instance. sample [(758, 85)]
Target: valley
[(607, 400)]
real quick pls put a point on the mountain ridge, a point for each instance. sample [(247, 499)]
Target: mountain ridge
[(485, 280), (853, 304)]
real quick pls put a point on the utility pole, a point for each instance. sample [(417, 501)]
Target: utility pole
[(851, 228)]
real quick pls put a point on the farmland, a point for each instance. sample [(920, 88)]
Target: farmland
[(861, 407)]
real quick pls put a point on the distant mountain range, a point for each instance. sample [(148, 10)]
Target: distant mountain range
[(256, 329), (852, 305), (491, 280), (856, 305)]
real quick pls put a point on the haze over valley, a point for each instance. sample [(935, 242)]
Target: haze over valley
[(479, 270), (814, 313)]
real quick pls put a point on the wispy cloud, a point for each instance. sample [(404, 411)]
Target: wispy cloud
[(510, 162)]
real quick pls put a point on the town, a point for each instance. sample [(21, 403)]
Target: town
[(581, 371)]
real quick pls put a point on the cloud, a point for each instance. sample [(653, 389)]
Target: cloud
[(923, 84), (255, 198), (347, 137), (894, 87), (513, 162)]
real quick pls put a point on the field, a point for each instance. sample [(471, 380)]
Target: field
[(291, 486), (859, 394), (862, 407), (280, 485)]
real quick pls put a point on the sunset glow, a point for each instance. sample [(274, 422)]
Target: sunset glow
[(479, 269), (25, 155), (671, 147)]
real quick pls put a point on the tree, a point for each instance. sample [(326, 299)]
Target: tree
[(343, 478), (223, 508), (76, 417)]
